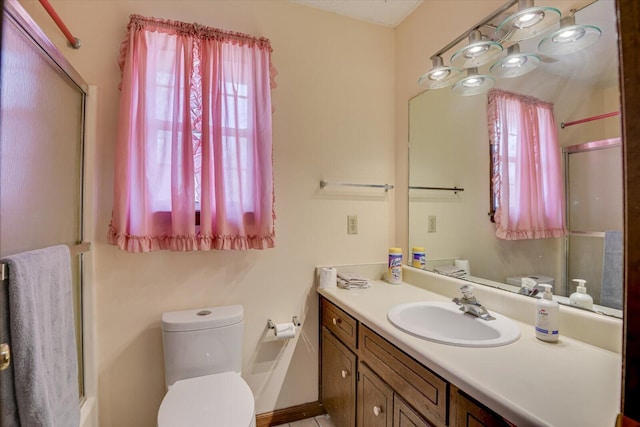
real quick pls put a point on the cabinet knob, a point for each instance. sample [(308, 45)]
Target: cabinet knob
[(336, 320), (377, 410), (344, 373)]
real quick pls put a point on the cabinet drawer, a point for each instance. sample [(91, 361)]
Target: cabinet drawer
[(419, 387), (338, 381), (340, 323)]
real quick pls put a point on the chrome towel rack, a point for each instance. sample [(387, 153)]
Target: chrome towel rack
[(74, 250), (386, 187), (454, 189)]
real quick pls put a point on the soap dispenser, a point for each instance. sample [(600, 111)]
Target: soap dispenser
[(547, 316), (580, 298)]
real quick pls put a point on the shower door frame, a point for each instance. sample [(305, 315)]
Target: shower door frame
[(16, 15), (566, 151)]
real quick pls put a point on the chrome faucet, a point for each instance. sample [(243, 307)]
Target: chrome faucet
[(469, 304)]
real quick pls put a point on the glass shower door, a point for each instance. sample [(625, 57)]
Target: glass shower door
[(41, 152), (594, 209)]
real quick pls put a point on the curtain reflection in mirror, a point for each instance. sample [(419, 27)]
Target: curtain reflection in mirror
[(527, 175)]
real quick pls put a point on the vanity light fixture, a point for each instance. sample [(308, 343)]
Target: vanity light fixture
[(515, 63), (569, 38), (439, 76), (473, 84), (529, 21), (478, 52)]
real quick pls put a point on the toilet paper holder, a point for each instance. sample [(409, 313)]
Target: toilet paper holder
[(294, 319)]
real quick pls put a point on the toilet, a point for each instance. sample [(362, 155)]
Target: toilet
[(202, 363)]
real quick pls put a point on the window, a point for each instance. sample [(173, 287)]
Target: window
[(194, 153), (496, 167), (527, 190)]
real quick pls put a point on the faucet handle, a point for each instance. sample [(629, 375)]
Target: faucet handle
[(467, 291)]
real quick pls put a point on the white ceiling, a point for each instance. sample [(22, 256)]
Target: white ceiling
[(389, 13)]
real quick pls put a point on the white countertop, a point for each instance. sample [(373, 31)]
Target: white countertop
[(528, 382)]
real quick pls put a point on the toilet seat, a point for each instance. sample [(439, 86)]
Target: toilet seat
[(219, 400)]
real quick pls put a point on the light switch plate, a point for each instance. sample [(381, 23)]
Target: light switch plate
[(431, 224), (352, 224)]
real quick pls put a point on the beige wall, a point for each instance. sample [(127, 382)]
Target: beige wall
[(334, 119)]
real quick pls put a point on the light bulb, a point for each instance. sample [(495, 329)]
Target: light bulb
[(569, 35), (527, 23), (478, 52), (473, 82), (529, 19), (515, 61), (569, 38), (475, 50), (439, 74)]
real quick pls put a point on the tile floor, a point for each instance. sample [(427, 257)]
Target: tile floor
[(319, 421)]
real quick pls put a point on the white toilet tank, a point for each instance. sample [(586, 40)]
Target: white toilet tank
[(202, 342)]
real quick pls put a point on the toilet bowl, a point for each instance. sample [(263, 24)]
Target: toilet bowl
[(219, 400), (202, 358)]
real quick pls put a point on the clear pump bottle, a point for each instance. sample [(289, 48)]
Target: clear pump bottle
[(580, 298)]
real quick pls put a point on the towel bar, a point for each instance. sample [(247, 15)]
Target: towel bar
[(74, 250), (386, 187), (454, 189)]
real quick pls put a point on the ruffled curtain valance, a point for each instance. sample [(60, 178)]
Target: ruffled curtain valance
[(197, 31)]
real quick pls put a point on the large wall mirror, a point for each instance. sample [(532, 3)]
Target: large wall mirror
[(449, 147)]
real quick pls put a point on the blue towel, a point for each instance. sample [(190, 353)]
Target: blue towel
[(43, 343), (612, 269)]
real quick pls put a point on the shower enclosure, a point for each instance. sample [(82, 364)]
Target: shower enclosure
[(42, 114)]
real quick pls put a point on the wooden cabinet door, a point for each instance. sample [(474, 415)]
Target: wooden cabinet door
[(338, 381), (416, 384), (375, 400), (405, 416), (466, 412)]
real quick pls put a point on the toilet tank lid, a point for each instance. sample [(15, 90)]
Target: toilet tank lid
[(202, 318)]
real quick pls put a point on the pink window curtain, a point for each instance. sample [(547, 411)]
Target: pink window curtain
[(194, 140), (527, 174)]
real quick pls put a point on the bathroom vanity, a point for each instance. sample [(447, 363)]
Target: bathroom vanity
[(367, 379), (374, 374)]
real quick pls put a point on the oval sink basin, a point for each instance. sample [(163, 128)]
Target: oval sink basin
[(445, 323)]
